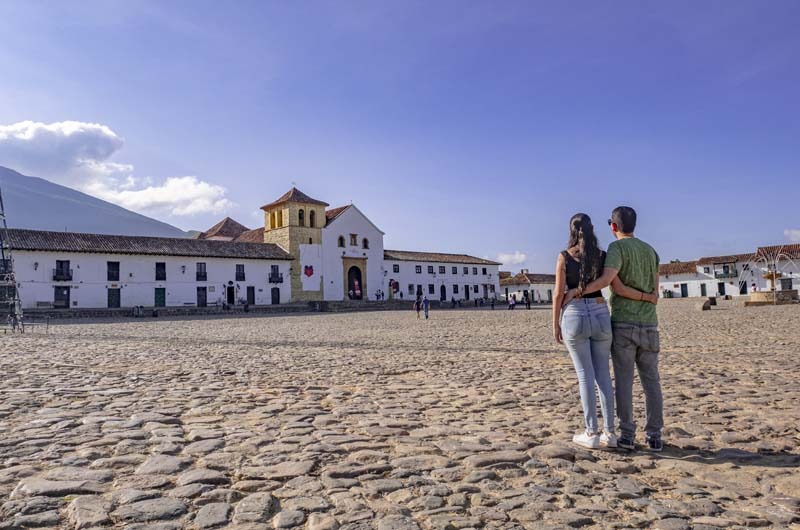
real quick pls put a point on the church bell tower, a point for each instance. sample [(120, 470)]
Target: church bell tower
[(295, 222)]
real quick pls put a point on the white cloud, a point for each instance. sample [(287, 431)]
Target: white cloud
[(792, 234), (61, 150), (175, 196), (515, 258), (77, 154)]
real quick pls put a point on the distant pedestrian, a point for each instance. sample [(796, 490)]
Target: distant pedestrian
[(426, 306), (527, 301), (454, 302), (492, 304), (512, 302), (754, 288), (417, 306)]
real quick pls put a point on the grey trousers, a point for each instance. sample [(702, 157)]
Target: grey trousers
[(637, 345)]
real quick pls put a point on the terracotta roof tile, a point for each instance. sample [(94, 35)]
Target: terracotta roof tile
[(255, 235), (679, 267), (435, 257), (20, 239), (792, 250), (333, 213), (724, 259), (294, 195), (225, 228), (527, 278)]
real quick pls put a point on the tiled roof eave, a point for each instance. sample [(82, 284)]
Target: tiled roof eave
[(434, 257), (22, 240), (287, 257)]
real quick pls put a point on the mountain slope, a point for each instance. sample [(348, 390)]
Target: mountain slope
[(39, 204)]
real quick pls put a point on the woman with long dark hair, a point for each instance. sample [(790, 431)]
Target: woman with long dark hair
[(584, 325)]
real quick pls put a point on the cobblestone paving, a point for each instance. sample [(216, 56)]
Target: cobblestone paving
[(377, 420)]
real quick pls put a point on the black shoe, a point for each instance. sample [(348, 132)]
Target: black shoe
[(626, 443), (655, 444)]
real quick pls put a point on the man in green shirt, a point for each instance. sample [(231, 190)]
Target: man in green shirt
[(635, 327)]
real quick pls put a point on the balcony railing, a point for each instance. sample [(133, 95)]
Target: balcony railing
[(201, 277), (730, 274), (62, 275), (276, 278)]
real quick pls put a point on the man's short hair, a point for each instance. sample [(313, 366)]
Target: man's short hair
[(625, 219)]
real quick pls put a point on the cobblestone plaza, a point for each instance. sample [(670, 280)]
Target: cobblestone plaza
[(378, 420)]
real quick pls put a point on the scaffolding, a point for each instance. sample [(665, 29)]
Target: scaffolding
[(10, 306)]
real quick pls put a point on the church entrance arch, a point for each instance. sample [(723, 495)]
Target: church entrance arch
[(354, 278), (355, 284)]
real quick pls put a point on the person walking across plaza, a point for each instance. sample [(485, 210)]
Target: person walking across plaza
[(426, 306), (636, 342)]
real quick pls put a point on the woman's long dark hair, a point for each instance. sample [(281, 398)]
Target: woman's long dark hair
[(581, 236)]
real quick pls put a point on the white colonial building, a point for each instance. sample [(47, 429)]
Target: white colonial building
[(440, 276), (733, 275), (304, 252), (74, 270), (539, 287)]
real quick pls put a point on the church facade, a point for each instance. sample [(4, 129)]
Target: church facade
[(339, 255)]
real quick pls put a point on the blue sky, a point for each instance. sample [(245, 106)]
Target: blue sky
[(476, 127)]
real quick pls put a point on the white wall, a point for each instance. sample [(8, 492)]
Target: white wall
[(352, 221), (672, 284), (537, 291), (88, 288), (747, 272), (407, 275)]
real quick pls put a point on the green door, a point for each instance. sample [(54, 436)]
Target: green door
[(251, 295), (161, 297), (113, 298)]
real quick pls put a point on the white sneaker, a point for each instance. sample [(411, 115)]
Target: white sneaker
[(589, 441), (608, 439)]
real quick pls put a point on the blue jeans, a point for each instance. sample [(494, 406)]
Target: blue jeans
[(586, 329), (637, 346)]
